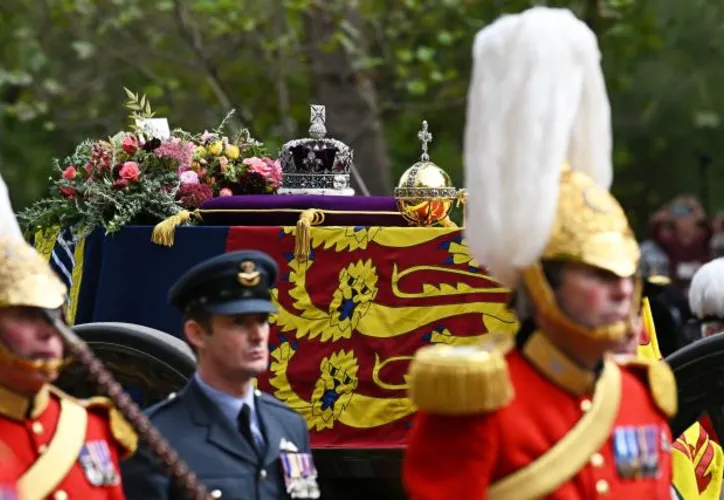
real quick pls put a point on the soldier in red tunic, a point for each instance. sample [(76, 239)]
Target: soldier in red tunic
[(66, 448), (549, 414)]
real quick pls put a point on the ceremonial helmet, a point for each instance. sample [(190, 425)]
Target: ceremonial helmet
[(538, 160), (26, 280)]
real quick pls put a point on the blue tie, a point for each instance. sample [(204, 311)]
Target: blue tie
[(244, 421)]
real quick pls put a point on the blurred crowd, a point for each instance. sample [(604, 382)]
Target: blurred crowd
[(682, 238)]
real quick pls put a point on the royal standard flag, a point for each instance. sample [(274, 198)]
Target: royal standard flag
[(697, 461)]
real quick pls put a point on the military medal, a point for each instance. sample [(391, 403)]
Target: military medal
[(652, 449), (300, 475), (636, 451), (292, 475), (309, 476), (665, 441), (95, 459), (621, 453)]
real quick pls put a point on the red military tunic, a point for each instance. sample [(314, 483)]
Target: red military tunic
[(459, 457), (67, 449)]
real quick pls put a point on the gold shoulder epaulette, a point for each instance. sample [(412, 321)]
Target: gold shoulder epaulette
[(661, 382), (121, 430), (463, 380)]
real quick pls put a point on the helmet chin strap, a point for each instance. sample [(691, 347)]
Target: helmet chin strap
[(47, 366), (545, 301)]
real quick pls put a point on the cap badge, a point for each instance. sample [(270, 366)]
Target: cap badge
[(249, 276)]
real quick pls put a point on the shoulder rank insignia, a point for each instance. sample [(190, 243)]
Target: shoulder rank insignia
[(121, 429), (661, 381), (462, 380)]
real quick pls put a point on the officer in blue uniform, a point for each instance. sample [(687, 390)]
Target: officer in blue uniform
[(240, 442)]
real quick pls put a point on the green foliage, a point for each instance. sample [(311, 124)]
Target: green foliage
[(61, 68), (140, 107)]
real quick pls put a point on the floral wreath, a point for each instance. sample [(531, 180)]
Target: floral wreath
[(142, 176)]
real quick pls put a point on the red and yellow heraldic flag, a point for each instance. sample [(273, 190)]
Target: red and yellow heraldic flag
[(352, 315), (697, 460)]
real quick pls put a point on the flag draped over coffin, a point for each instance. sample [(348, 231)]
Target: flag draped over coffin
[(352, 315)]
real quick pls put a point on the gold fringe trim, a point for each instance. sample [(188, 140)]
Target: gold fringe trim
[(448, 380), (165, 231)]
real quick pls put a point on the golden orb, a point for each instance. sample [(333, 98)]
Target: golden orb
[(425, 193)]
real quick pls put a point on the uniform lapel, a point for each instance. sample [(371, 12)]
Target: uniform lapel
[(273, 432), (221, 433)]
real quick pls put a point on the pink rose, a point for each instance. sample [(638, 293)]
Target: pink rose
[(189, 177), (275, 172), (129, 171), (68, 192), (266, 167), (69, 173), (225, 192), (130, 144)]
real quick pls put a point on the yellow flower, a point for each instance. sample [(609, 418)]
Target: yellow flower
[(216, 148), (201, 151), (232, 151)]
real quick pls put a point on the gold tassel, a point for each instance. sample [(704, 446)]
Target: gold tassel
[(163, 233), (303, 239)]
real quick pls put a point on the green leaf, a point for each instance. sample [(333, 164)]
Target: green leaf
[(83, 50), (416, 87), (425, 54), (404, 55), (444, 37)]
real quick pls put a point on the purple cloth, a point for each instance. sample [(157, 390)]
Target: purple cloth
[(271, 202)]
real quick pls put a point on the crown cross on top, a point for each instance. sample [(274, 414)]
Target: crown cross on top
[(317, 129), (425, 137)]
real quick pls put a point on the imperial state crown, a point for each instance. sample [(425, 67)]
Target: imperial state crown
[(317, 164)]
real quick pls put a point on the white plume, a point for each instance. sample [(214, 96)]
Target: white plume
[(706, 292), (537, 98), (9, 227)]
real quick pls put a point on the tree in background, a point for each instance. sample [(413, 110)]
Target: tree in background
[(380, 67)]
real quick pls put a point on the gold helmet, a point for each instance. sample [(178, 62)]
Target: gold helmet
[(26, 280), (538, 158)]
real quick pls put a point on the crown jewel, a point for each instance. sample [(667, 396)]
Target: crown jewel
[(317, 164), (425, 192)]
